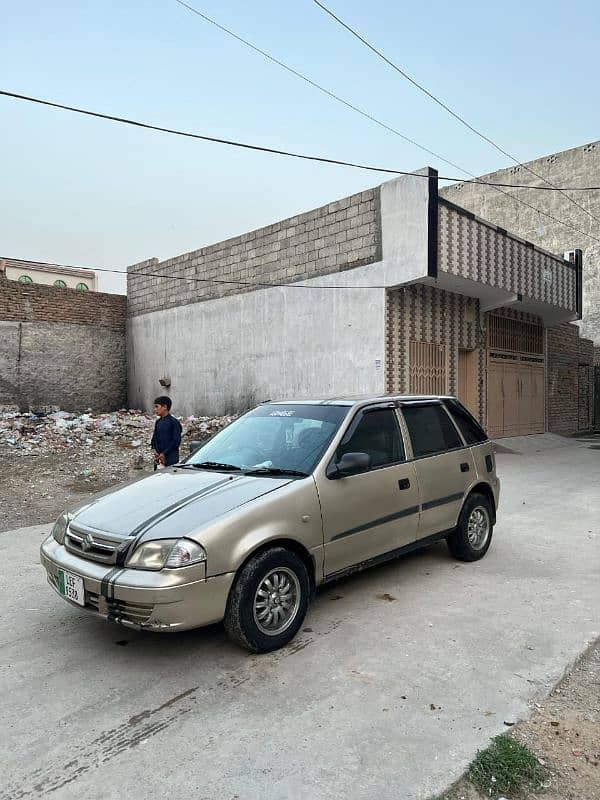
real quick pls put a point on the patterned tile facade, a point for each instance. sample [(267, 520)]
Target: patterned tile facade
[(475, 249), (423, 313)]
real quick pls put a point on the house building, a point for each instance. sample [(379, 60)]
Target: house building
[(394, 289), (579, 166), (28, 272), (60, 348)]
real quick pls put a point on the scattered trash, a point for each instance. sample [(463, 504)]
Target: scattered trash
[(41, 433)]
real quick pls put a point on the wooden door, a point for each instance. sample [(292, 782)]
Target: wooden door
[(495, 404), (468, 390), (510, 398)]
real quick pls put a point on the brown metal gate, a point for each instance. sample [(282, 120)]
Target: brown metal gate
[(428, 365), (516, 383)]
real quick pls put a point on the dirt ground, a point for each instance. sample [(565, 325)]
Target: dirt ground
[(51, 463), (563, 731), (38, 488)]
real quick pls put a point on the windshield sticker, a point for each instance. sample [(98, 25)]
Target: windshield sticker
[(282, 413)]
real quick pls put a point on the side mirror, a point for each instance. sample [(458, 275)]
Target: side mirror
[(195, 446), (351, 464)]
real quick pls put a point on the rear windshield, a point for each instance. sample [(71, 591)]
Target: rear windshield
[(279, 436), (471, 430)]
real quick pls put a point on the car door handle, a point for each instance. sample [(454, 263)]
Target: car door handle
[(464, 467), (404, 483)]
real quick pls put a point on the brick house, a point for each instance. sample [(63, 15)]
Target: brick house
[(394, 289), (60, 347)]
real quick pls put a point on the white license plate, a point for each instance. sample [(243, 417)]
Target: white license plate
[(71, 587)]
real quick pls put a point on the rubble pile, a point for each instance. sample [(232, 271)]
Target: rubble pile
[(41, 433)]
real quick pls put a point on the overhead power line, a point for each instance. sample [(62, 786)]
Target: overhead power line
[(318, 86), (261, 148), (447, 108), (225, 282), (231, 143), (384, 125)]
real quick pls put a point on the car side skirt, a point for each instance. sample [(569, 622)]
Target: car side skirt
[(389, 556)]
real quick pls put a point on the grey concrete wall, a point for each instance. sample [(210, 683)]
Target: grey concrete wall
[(577, 167), (404, 229), (52, 364), (226, 354)]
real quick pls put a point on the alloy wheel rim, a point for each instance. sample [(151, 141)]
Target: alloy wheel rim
[(478, 527), (276, 601)]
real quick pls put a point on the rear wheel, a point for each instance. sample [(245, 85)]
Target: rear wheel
[(473, 535), (268, 601)]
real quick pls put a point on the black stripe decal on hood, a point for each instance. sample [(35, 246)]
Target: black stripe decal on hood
[(406, 512), (145, 526)]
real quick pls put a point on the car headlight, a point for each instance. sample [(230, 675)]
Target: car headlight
[(60, 527), (166, 553)]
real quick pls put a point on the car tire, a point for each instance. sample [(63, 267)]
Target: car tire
[(472, 537), (268, 601)]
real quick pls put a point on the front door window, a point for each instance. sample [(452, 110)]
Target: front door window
[(376, 433)]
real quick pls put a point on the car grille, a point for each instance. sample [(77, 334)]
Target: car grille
[(136, 613), (93, 545)]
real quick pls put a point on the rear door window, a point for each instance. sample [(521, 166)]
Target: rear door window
[(431, 430), (471, 430)]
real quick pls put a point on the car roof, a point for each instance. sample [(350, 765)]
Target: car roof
[(361, 399)]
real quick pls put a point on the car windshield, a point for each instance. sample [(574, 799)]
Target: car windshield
[(273, 437)]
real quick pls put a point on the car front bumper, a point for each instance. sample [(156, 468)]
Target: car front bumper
[(168, 600)]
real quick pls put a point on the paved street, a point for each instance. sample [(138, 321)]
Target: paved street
[(399, 675)]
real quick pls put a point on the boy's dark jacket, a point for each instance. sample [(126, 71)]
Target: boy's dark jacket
[(167, 438)]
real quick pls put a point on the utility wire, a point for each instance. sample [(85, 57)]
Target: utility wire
[(231, 143), (260, 148), (443, 105), (384, 125), (317, 86), (224, 282)]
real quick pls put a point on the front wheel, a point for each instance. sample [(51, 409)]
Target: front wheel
[(268, 601), (473, 535)]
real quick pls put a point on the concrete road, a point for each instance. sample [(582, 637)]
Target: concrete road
[(398, 677)]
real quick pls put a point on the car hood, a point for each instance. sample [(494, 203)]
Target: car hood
[(172, 502)]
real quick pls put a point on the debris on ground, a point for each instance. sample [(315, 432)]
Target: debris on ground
[(55, 459), (32, 433)]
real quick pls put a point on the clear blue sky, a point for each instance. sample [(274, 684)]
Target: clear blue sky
[(86, 192)]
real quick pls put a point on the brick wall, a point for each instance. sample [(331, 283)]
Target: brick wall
[(569, 377), (21, 302), (339, 236), (60, 347)]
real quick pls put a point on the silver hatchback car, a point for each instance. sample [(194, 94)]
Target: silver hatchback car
[(289, 496)]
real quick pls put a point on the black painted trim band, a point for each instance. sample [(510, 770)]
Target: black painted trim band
[(432, 224), (442, 501), (406, 512)]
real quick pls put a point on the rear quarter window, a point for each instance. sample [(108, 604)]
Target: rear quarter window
[(431, 429), (471, 430)]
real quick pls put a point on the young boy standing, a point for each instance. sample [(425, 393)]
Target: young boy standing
[(167, 434)]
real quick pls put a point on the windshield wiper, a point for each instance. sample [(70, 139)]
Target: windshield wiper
[(276, 471), (213, 465)]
